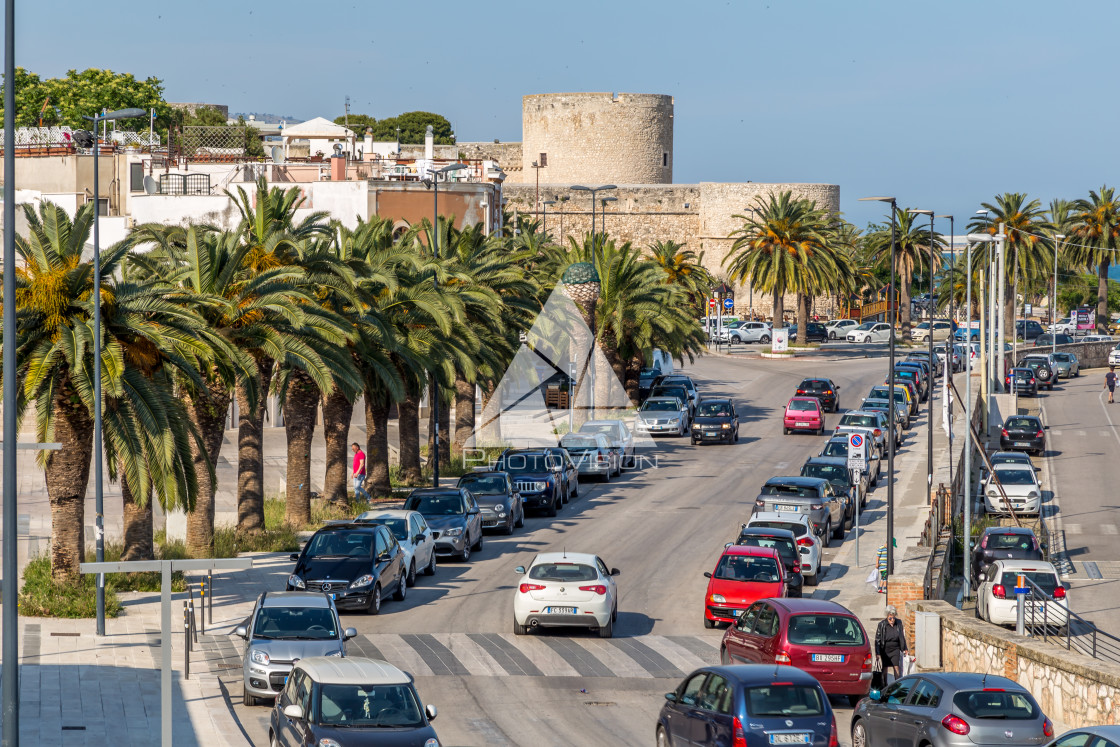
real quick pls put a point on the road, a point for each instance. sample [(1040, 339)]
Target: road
[(663, 526)]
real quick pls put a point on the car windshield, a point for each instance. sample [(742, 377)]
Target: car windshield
[(522, 463), (649, 373), (865, 421), (1016, 476), (672, 391), (610, 430), (866, 326), (1061, 357), (340, 544), (803, 405), (437, 505), (1045, 580), (881, 392), (829, 472), (815, 384), (484, 484), (714, 410), (563, 572), (1022, 423), (825, 630), (374, 706), (784, 700), (996, 704), (675, 381), (397, 525), (747, 568), (795, 527), (923, 325), (1010, 542), (576, 441), (661, 405), (835, 449), (291, 623), (1006, 458), (782, 545), (795, 491)]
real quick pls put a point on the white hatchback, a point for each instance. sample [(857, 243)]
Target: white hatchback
[(996, 600), (804, 533), (870, 332), (1020, 483), (566, 589), (413, 534)]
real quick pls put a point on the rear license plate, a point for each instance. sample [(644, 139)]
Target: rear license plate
[(830, 658), (802, 738), (560, 610), (789, 508), (802, 425), (1022, 443), (334, 596)]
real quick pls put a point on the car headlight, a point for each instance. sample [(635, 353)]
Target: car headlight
[(1032, 496), (361, 581), (432, 743), (540, 486), (675, 419), (296, 582), (992, 494), (500, 509), (718, 599), (501, 513), (328, 742), (259, 657), (725, 426), (335, 654), (453, 532)]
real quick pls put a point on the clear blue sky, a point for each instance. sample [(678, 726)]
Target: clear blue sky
[(942, 104)]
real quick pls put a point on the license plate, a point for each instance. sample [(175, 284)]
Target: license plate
[(560, 610), (831, 658), (802, 738), (1022, 443), (789, 508), (802, 425), (334, 596)]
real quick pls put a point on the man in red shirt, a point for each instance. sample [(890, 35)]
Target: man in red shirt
[(359, 474)]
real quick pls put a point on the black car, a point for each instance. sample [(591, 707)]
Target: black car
[(1046, 340), (535, 477), (647, 377), (687, 383), (1023, 381), (454, 517), (1040, 365), (1028, 329), (835, 470), (933, 365), (824, 390), (1001, 543), (500, 502), (716, 420), (815, 331), (785, 543), (356, 564), (1023, 432)]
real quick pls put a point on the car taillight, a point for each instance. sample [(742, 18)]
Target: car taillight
[(1040, 434), (597, 588), (984, 542), (800, 391), (1047, 728), (782, 658), (795, 569), (1060, 592), (867, 661), (805, 542), (955, 724), (1031, 381), (878, 433), (999, 592), (526, 588), (828, 391), (816, 506), (738, 735), (833, 737), (604, 459), (1004, 432)]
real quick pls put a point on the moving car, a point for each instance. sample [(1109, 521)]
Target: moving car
[(592, 454), (687, 383), (950, 709), (538, 476), (660, 416), (619, 437), (870, 332), (825, 390), (818, 637), (355, 564), (501, 504), (785, 543), (647, 377), (752, 332), (1066, 365), (941, 331), (1023, 432), (812, 496), (566, 589), (454, 516), (1114, 356), (839, 328), (284, 627), (661, 390), (1020, 485), (1003, 543), (803, 414), (1023, 381), (997, 602), (351, 701), (716, 420), (416, 538), (720, 706), (742, 576), (806, 535)]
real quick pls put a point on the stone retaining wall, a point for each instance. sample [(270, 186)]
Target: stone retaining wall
[(1089, 354), (1073, 689)]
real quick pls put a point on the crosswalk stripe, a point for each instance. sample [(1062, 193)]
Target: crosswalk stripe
[(435, 654), (614, 659), (399, 653), (544, 658), (1108, 529), (474, 657), (1081, 433), (1071, 528), (653, 662), (681, 657), (585, 664)]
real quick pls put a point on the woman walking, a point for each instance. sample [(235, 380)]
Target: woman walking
[(890, 642)]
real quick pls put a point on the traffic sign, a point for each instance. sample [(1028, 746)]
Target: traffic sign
[(711, 303), (855, 452), (729, 303)]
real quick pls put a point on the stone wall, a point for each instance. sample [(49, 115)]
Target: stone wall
[(1073, 689), (507, 155), (1089, 354)]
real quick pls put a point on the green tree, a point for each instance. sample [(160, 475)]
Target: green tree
[(1097, 235), (412, 125), (86, 93)]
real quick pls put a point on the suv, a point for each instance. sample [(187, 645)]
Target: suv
[(1043, 370), (535, 477), (835, 470), (500, 504), (752, 332), (355, 564), (454, 516), (785, 543), (1028, 329), (806, 535), (812, 496), (284, 627), (839, 327)]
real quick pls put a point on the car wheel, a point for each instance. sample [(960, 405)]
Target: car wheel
[(736, 435), (859, 735), (607, 631), (247, 699), (607, 477), (519, 629), (765, 339), (402, 589), (374, 607), (410, 579), (724, 657), (431, 569), (575, 490), (509, 525), (465, 555), (709, 624), (1077, 373), (694, 442), (786, 431), (814, 579), (477, 546), (551, 510), (826, 538), (663, 738), (614, 613), (832, 335), (839, 530), (565, 494), (521, 518)]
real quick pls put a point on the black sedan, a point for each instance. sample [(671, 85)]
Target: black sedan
[(1023, 380), (825, 390), (815, 331), (1023, 433), (1001, 543), (496, 496), (716, 420), (356, 564)]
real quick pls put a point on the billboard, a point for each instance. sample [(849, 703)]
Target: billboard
[(1083, 317)]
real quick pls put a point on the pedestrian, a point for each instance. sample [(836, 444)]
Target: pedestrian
[(881, 560), (359, 474), (890, 642), (1110, 382)]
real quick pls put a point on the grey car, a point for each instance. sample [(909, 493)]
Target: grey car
[(944, 709), (1066, 365), (1089, 736), (499, 500), (454, 516), (592, 454), (284, 627), (813, 496)]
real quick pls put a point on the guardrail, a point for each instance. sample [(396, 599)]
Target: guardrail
[(1044, 622)]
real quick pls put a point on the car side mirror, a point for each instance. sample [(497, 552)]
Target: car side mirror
[(431, 712), (819, 531), (727, 545), (671, 697), (294, 556), (615, 572), (982, 576), (707, 574), (520, 569), (349, 633), (874, 695), (418, 539), (294, 711), (241, 632)]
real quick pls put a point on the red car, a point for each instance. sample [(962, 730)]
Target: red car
[(823, 638), (743, 575), (803, 414)]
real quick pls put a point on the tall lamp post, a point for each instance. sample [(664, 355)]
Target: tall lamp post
[(1054, 302), (890, 383), (929, 400), (546, 203), (593, 191), (10, 648), (98, 487), (434, 183), (970, 239), (951, 345)]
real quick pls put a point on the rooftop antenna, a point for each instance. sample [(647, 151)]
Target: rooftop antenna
[(565, 553), (983, 680), (347, 112)]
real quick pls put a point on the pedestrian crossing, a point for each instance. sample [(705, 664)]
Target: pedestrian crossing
[(1075, 528)]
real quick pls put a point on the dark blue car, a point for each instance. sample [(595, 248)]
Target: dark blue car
[(749, 704)]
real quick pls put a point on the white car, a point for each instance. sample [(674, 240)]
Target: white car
[(941, 331), (838, 328), (413, 534), (1114, 356), (1020, 483), (805, 532), (996, 599), (870, 332), (1063, 326), (666, 416), (566, 589), (752, 332)]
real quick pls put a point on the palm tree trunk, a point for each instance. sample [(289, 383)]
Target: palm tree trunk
[(377, 443), (208, 411), (633, 371), (444, 428), (138, 541), (464, 414), (409, 434), (300, 407), (250, 453), (338, 411), (779, 309), (904, 303), (802, 318), (1102, 296), (67, 476)]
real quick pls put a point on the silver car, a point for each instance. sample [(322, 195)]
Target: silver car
[(662, 416), (1066, 365), (284, 627), (947, 709), (619, 437), (417, 540), (592, 454)]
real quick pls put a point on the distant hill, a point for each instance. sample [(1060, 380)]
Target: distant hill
[(267, 118)]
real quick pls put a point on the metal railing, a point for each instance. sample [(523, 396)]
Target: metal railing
[(1042, 621)]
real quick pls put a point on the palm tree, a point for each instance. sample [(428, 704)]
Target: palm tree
[(912, 256), (1097, 231), (1063, 218)]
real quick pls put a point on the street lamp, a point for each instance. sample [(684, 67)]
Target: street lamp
[(434, 184), (11, 432), (1054, 303), (98, 488), (593, 191), (929, 399), (890, 385), (951, 345), (546, 203)]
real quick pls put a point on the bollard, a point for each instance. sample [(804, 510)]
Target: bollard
[(210, 596), (187, 641), (194, 624), (202, 606)]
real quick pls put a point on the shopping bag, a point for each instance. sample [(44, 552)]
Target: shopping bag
[(907, 665), (873, 577), (877, 679)]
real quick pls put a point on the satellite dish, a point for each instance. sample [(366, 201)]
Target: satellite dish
[(151, 186), (277, 154)]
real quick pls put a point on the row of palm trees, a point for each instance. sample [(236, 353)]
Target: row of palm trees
[(312, 312)]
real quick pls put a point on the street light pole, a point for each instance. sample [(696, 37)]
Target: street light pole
[(593, 191), (1001, 330), (929, 398), (968, 424), (951, 344), (1054, 302)]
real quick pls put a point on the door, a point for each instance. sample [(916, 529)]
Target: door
[(686, 711), (915, 717), (292, 732), (474, 515), (741, 645), (422, 550), (765, 634), (385, 567), (612, 587), (883, 717), (716, 726)]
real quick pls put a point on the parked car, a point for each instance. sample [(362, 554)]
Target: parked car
[(813, 496), (901, 399), (803, 414), (566, 589), (1023, 381), (752, 332), (958, 352), (592, 454), (1042, 368), (1020, 485), (454, 516), (1099, 338), (901, 414), (416, 538), (911, 386), (837, 446), (619, 437), (1047, 340), (1114, 356), (818, 637), (661, 416), (835, 470), (351, 701), (913, 374), (827, 391), (941, 331), (838, 328), (355, 564), (872, 424), (742, 576), (546, 477), (284, 627), (720, 706), (932, 366), (1089, 736), (1003, 543), (687, 383), (782, 540), (1011, 457), (950, 709), (1064, 326), (716, 420), (997, 602), (805, 534), (815, 332), (870, 332), (647, 377), (1028, 329), (501, 504), (1023, 432)]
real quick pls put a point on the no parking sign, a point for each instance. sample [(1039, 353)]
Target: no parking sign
[(855, 452)]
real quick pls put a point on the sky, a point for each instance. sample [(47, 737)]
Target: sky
[(942, 105)]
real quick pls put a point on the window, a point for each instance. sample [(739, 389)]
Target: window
[(290, 687), (785, 699), (716, 695), (746, 620), (898, 691), (382, 545), (767, 624), (690, 691), (926, 695), (136, 177), (369, 705), (414, 527), (747, 568), (295, 622), (664, 159), (569, 572), (303, 694), (825, 630), (1076, 739), (996, 704), (487, 484)]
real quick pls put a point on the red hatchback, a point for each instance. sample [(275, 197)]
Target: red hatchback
[(743, 575), (822, 638), (803, 414)]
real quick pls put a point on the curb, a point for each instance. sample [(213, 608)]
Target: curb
[(225, 721)]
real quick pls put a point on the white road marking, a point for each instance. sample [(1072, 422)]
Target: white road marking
[(472, 656), (1109, 529), (1057, 433), (681, 658), (548, 661), (1081, 433), (781, 465), (1071, 528), (400, 653), (613, 658)]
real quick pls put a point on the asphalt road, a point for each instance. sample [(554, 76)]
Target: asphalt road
[(663, 526)]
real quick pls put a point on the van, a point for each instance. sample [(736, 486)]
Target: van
[(662, 361)]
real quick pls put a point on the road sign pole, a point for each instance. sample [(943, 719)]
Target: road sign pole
[(1021, 597)]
